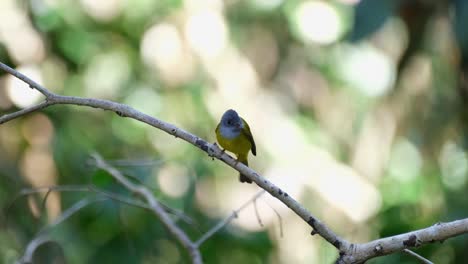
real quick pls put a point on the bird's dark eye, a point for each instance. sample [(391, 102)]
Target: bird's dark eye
[(229, 122)]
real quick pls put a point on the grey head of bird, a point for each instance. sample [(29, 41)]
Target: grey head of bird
[(231, 124)]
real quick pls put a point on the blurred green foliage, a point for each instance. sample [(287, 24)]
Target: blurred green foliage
[(319, 70)]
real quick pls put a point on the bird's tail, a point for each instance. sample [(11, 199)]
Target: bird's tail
[(242, 177)]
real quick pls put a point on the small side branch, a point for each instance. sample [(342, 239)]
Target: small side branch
[(93, 189), (42, 236), (421, 259), (26, 79), (155, 207), (25, 111), (227, 220)]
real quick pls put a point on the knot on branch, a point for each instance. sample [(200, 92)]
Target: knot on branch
[(121, 114), (337, 244), (412, 241), (378, 249), (203, 145)]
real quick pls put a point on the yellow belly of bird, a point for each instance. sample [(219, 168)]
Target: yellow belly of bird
[(239, 145)]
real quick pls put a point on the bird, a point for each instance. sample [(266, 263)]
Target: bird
[(233, 134)]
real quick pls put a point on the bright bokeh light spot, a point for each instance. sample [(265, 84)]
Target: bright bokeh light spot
[(5, 102), (417, 77), (22, 41), (366, 69), (454, 166), (378, 129), (161, 44), (146, 100), (345, 190), (38, 130), (235, 76), (202, 4), (104, 10), (10, 142), (38, 167), (19, 92), (350, 2), (318, 22), (163, 49), (173, 180), (405, 162), (206, 33), (106, 73), (266, 4), (26, 46)]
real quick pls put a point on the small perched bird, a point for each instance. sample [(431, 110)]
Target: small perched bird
[(233, 134)]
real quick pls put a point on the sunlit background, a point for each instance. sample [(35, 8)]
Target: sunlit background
[(358, 109)]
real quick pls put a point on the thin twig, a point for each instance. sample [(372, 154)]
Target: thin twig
[(280, 219), (43, 236), (110, 195), (227, 220), (421, 259), (155, 207), (8, 117), (135, 163), (132, 202), (71, 211), (257, 214), (26, 79)]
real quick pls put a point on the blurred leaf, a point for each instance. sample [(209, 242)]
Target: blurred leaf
[(49, 20), (77, 45)]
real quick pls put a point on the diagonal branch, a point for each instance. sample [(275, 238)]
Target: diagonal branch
[(27, 80), (349, 253), (155, 207), (212, 150), (25, 111), (91, 188)]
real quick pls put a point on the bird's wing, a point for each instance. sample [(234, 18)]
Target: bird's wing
[(248, 134)]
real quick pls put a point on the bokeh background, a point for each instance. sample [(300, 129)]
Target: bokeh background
[(358, 109)]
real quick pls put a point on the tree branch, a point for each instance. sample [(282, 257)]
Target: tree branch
[(25, 111), (43, 237), (388, 245), (212, 149), (94, 189), (349, 253), (155, 207)]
